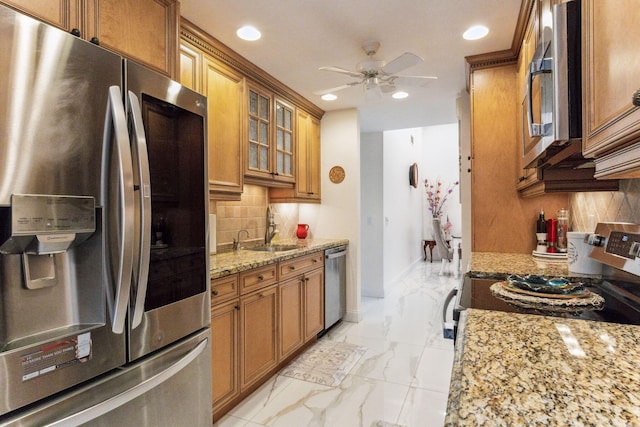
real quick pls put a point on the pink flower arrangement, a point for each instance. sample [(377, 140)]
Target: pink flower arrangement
[(436, 197)]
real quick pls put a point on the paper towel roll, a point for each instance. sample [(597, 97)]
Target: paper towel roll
[(212, 233)]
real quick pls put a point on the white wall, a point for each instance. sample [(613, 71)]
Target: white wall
[(339, 214), (371, 221), (441, 156), (402, 202)]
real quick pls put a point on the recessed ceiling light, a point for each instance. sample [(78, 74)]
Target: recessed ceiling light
[(476, 32), (329, 97), (249, 33), (400, 94)]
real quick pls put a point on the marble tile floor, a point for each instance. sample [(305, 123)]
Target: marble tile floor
[(401, 380)]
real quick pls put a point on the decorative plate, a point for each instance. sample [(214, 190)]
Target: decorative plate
[(543, 285), (336, 174)]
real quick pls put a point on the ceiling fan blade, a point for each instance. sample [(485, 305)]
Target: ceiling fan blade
[(341, 71), (335, 89), (401, 63), (388, 88), (412, 80)]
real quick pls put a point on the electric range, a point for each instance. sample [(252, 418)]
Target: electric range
[(616, 245)]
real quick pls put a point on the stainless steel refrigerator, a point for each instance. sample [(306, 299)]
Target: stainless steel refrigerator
[(104, 278)]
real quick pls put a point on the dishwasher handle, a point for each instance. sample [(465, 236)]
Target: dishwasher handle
[(336, 254)]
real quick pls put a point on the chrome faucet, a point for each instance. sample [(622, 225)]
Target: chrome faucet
[(236, 242), (271, 229)]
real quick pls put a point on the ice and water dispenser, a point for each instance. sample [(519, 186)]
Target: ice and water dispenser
[(48, 265)]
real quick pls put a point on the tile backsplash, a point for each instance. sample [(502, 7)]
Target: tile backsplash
[(587, 209), (250, 214)]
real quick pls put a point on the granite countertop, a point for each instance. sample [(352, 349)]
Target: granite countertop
[(225, 263), (520, 369), (499, 265)]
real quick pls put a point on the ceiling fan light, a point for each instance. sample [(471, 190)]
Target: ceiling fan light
[(249, 33), (329, 97), (476, 32), (400, 94)]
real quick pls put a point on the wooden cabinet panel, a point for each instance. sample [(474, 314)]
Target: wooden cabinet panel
[(145, 30), (611, 70), (291, 316), (296, 266), (64, 14), (190, 67), (224, 288), (224, 358), (258, 335), (258, 278), (224, 90), (313, 303)]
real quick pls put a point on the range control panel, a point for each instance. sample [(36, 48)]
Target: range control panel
[(622, 244)]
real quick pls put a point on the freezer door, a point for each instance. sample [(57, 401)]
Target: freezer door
[(172, 388), (170, 281), (53, 106), (53, 98)]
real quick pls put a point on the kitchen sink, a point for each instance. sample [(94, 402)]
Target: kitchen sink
[(272, 248)]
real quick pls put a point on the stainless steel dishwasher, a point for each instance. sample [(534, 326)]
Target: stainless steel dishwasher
[(335, 285)]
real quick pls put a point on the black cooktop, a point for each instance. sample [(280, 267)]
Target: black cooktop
[(622, 301)]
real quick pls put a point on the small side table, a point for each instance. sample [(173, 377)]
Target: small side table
[(431, 244)]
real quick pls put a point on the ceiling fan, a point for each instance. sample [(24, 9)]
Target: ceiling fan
[(377, 74)]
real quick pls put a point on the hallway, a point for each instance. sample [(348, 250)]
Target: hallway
[(402, 379)]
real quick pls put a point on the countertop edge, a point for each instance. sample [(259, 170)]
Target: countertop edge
[(227, 263)]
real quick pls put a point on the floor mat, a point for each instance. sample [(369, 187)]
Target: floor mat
[(325, 363)]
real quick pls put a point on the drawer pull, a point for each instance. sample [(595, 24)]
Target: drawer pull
[(261, 277), (315, 261), (215, 292), (292, 267), (237, 307)]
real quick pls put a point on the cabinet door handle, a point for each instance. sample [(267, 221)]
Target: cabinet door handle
[(315, 261), (75, 32), (292, 267), (261, 277), (261, 295), (237, 307), (95, 41), (215, 292)]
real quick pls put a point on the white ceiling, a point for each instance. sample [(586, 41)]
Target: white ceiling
[(299, 36)]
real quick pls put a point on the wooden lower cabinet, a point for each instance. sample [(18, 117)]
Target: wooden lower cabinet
[(291, 316), (313, 303), (258, 334), (224, 358), (260, 320)]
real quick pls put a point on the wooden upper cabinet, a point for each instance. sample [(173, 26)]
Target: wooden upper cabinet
[(64, 14), (143, 30), (224, 90), (610, 75), (308, 157), (269, 141)]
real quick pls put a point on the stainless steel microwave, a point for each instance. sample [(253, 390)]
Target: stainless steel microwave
[(552, 110)]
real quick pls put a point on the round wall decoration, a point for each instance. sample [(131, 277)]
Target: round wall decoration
[(336, 174)]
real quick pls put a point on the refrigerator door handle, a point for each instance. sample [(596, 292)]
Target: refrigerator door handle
[(138, 390), (119, 296), (144, 195)]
